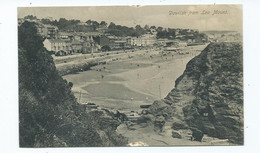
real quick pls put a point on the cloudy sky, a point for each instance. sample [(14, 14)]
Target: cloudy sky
[(226, 17)]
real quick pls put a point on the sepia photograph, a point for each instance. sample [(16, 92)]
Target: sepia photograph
[(128, 76)]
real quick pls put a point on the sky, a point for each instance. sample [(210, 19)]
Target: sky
[(200, 17)]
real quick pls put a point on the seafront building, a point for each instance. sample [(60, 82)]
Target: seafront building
[(56, 45), (88, 40)]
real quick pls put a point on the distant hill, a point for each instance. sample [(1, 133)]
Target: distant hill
[(217, 32)]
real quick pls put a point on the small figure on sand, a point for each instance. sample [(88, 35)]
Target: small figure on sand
[(102, 76)]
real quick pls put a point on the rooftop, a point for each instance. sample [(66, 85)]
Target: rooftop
[(59, 40), (75, 42)]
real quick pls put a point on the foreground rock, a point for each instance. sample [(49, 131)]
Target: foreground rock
[(208, 97)]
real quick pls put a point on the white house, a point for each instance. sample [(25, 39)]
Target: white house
[(57, 45)]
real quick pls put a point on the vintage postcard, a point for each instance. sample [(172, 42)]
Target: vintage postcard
[(104, 76)]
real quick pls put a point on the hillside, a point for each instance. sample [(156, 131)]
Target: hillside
[(217, 32), (49, 115), (207, 98)]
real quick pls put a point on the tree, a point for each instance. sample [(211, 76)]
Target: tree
[(30, 17), (89, 22), (95, 25), (46, 21), (140, 30), (96, 39), (105, 48), (159, 29), (112, 25), (103, 23), (153, 27), (62, 23), (147, 28), (28, 38)]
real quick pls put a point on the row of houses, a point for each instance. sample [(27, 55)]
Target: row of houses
[(80, 42), (143, 41), (68, 45), (225, 37), (83, 42), (68, 42), (146, 40), (127, 42)]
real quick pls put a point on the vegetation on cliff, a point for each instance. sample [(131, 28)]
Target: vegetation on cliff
[(49, 115)]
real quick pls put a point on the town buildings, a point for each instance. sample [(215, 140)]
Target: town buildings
[(89, 45), (82, 38), (55, 45), (127, 42), (47, 31), (70, 45), (143, 41), (224, 36), (76, 46)]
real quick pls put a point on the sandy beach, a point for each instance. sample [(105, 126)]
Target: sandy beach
[(129, 82)]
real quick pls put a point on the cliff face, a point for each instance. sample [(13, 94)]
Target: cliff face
[(49, 115), (208, 97)]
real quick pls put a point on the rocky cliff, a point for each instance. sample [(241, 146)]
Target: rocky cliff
[(49, 114), (208, 97)]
